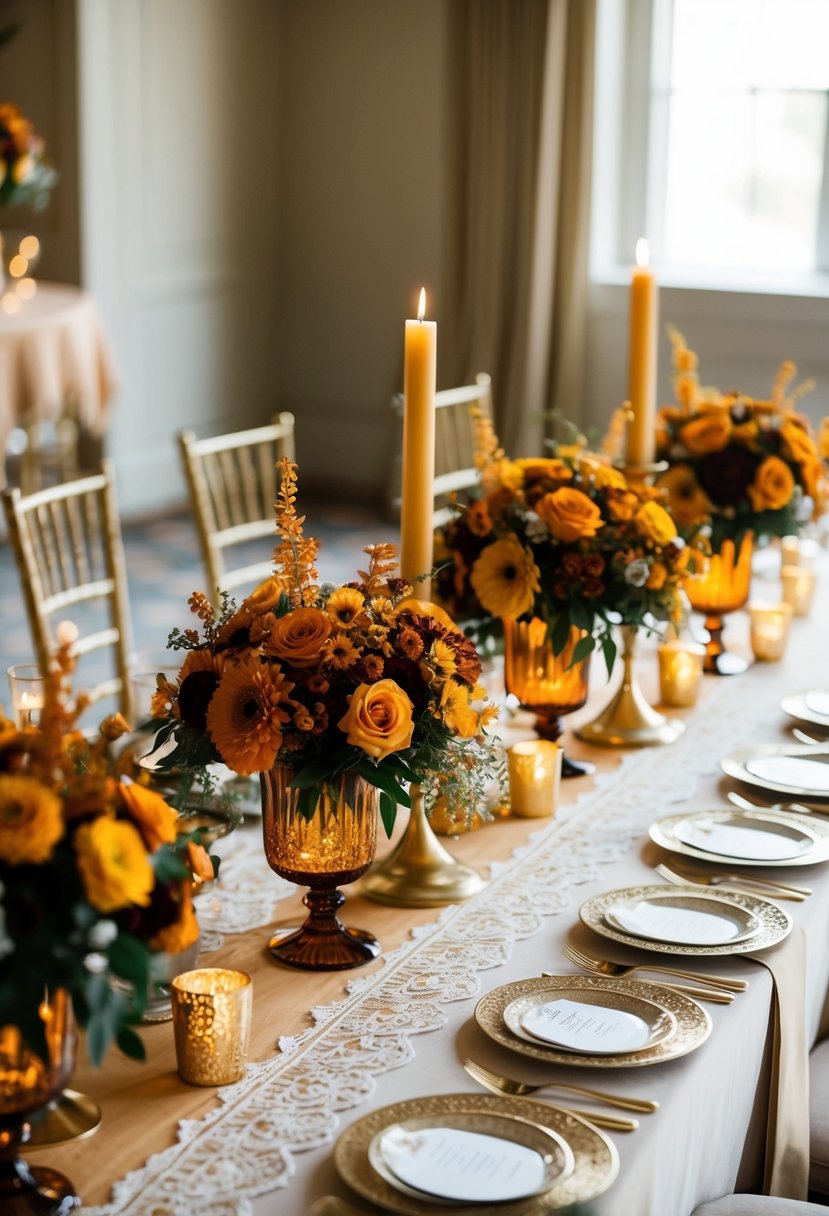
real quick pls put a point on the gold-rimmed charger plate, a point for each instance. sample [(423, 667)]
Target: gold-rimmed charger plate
[(663, 833), (724, 920), (747, 765), (660, 1022), (775, 924), (811, 705), (693, 1024), (595, 1159)]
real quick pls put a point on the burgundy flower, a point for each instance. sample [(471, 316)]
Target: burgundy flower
[(726, 475)]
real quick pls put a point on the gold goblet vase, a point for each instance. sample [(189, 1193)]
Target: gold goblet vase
[(334, 847), (549, 685), (722, 587)]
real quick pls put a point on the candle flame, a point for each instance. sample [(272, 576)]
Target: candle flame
[(421, 304), (643, 253)]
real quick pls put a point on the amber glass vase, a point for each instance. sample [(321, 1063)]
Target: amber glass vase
[(546, 683), (722, 587), (29, 1081), (334, 847)]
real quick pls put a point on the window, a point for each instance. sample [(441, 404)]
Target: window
[(737, 134)]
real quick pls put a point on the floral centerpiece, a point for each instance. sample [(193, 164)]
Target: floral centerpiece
[(25, 177), (92, 868), (566, 539), (739, 463), (360, 679)]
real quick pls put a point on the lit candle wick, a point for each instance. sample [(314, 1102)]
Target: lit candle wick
[(421, 306)]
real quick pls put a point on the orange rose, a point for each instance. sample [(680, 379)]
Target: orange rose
[(746, 433), (797, 444), (773, 485), (706, 433), (299, 636), (569, 514), (823, 439), (655, 523), (379, 719), (534, 467), (813, 474), (155, 820), (114, 865)]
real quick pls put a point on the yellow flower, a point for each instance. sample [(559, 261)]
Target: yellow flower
[(657, 577), (506, 579), (655, 523), (478, 519), (155, 820), (688, 502), (550, 467), (603, 474), (706, 433), (773, 485), (345, 606), (114, 865), (503, 472), (746, 433), (247, 713), (457, 714), (797, 444), (664, 417), (823, 439), (263, 599), (442, 659), (298, 638), (378, 719), (31, 821), (813, 474), (183, 931), (340, 651), (569, 514), (198, 862), (411, 606)]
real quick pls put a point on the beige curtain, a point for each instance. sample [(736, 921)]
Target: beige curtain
[(521, 99)]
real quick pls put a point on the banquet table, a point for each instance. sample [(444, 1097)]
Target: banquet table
[(328, 1048), (55, 360)]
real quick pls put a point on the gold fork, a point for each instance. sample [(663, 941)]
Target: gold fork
[(506, 1085), (612, 1123), (772, 890), (601, 966)]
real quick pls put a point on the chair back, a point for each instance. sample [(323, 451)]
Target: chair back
[(68, 549), (454, 442), (233, 482)]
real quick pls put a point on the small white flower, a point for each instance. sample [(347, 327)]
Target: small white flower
[(636, 574), (103, 934), (804, 509)]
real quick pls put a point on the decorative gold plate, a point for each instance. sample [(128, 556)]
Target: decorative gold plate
[(693, 1024), (660, 1022), (797, 706), (775, 924), (596, 1162), (739, 764), (663, 833)]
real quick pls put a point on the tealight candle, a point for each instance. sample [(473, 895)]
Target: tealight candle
[(680, 672), (534, 777), (798, 588), (769, 630), (27, 685), (211, 1021), (797, 551)]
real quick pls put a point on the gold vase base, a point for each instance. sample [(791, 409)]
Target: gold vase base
[(27, 1191), (628, 721), (419, 872), (72, 1116)]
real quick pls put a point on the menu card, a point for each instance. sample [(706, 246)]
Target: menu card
[(795, 772), (751, 839), (467, 1166), (691, 926), (593, 1029)]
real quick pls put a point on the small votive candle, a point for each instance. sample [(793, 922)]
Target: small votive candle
[(798, 588), (211, 1021), (27, 685), (797, 551), (534, 778), (769, 630), (680, 672)]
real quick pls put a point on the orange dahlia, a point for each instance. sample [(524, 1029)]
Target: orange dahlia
[(247, 713)]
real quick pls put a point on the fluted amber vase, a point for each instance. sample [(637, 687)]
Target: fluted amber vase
[(31, 1078), (334, 847), (722, 587), (549, 685)]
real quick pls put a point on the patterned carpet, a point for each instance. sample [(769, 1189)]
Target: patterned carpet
[(164, 567)]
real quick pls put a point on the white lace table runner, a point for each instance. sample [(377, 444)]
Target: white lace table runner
[(246, 1145)]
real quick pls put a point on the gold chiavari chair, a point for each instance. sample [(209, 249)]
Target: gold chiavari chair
[(455, 470), (67, 546), (233, 482)]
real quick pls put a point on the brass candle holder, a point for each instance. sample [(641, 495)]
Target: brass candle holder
[(629, 721), (769, 630), (211, 1020)]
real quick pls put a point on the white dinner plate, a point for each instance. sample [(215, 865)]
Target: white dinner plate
[(793, 840), (683, 919), (537, 1017), (800, 770), (810, 706)]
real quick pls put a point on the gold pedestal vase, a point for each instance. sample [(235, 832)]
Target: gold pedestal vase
[(419, 872), (546, 684), (31, 1078), (334, 847), (722, 588), (629, 720)]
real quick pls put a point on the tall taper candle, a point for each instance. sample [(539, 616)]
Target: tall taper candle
[(419, 377), (644, 309)]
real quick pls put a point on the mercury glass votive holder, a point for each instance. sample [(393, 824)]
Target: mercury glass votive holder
[(798, 588), (27, 685), (534, 777), (680, 672), (769, 630), (211, 1021)]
